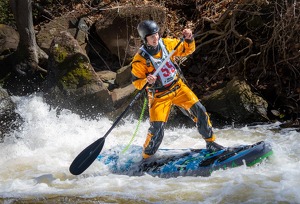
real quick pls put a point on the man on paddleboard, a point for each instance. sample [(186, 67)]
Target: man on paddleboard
[(165, 87)]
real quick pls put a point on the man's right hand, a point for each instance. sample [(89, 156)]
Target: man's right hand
[(151, 79)]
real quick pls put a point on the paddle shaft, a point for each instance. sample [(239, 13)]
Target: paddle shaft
[(90, 153), (141, 91)]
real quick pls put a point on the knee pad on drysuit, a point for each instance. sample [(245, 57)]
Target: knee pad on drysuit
[(154, 138), (202, 121)]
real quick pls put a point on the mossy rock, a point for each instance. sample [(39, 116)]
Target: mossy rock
[(72, 80), (237, 103)]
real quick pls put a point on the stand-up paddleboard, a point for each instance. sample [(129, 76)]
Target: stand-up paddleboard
[(183, 162)]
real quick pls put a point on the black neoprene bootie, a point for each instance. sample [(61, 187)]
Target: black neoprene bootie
[(214, 147)]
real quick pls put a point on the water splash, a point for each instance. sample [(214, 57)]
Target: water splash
[(34, 162)]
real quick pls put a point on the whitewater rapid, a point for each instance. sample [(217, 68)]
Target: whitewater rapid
[(34, 163)]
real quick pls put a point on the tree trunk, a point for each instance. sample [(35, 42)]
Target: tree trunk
[(28, 52), (26, 75)]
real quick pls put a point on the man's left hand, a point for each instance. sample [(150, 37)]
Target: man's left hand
[(188, 34)]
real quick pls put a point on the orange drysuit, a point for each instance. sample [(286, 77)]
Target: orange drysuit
[(168, 90)]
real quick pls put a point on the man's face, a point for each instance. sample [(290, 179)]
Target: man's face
[(153, 39)]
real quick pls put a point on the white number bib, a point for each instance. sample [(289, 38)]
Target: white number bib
[(168, 72)]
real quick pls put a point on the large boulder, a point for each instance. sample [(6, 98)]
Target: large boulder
[(9, 119), (120, 85), (237, 103), (9, 40), (117, 28), (123, 76), (72, 83), (108, 77), (69, 22)]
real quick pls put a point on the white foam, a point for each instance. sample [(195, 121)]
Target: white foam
[(34, 161)]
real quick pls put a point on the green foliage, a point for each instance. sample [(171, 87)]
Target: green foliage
[(6, 16)]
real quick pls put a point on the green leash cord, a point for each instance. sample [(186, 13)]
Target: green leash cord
[(137, 127)]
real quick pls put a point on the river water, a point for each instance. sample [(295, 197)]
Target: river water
[(34, 163)]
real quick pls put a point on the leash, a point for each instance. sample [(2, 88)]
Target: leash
[(137, 127)]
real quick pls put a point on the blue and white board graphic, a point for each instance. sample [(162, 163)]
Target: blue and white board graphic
[(183, 162)]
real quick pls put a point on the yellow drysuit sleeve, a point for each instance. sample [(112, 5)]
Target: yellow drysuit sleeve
[(140, 69)]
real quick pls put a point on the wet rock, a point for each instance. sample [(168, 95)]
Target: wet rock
[(117, 28), (292, 124), (122, 95), (9, 39), (123, 77), (108, 78), (9, 119), (72, 83), (68, 22), (237, 103)]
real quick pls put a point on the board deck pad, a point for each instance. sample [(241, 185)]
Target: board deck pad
[(183, 162)]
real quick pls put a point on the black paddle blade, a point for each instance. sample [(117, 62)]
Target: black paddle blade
[(87, 157)]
